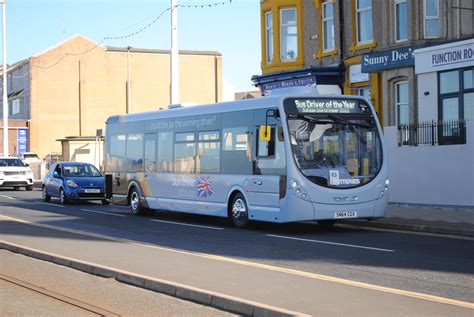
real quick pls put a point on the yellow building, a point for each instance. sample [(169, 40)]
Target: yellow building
[(71, 88)]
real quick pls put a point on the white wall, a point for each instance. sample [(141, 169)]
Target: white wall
[(434, 175), (428, 105)]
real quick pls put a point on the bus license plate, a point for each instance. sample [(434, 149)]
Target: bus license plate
[(345, 214), (92, 190)]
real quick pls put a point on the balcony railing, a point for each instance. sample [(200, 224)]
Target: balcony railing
[(433, 133)]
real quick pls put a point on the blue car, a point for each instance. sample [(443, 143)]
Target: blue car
[(72, 181)]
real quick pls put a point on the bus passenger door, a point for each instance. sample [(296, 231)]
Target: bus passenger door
[(269, 165)]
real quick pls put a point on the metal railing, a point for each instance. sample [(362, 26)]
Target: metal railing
[(434, 133)]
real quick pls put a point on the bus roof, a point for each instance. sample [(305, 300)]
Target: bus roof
[(221, 107)]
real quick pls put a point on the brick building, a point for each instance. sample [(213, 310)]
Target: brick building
[(55, 95)]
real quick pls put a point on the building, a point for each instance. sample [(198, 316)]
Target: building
[(71, 88), (376, 44)]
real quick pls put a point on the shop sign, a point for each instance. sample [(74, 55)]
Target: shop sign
[(22, 141), (356, 75), (309, 81), (396, 58), (443, 57)]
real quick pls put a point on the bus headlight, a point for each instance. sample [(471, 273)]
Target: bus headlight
[(298, 190), (387, 182)]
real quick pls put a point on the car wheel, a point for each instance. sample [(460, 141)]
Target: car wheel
[(239, 211), (62, 197), (46, 197), (136, 206), (29, 188), (326, 223), (105, 202)]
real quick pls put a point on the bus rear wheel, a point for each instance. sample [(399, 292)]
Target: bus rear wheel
[(136, 206), (239, 211)]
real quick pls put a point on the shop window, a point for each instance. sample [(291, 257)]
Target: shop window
[(431, 18), (328, 25), (401, 103), (288, 35), (269, 36), (364, 21), (401, 20)]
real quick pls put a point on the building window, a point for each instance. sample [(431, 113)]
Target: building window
[(401, 20), (401, 103), (431, 18), (456, 94), (288, 35), (269, 36), (328, 25), (364, 21), (363, 92)]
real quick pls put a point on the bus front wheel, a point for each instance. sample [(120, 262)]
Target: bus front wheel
[(239, 211), (136, 206)]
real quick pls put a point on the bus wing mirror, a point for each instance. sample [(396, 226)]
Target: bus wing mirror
[(265, 133)]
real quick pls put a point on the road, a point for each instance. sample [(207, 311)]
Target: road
[(300, 267)]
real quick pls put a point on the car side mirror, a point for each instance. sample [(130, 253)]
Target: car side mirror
[(56, 175), (26, 164)]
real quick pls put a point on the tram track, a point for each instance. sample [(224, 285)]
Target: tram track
[(94, 310)]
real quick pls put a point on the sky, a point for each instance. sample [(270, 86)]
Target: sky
[(233, 29)]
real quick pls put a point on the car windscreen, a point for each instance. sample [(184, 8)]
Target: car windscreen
[(80, 170), (11, 162)]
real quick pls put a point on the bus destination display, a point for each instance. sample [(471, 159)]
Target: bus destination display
[(327, 106)]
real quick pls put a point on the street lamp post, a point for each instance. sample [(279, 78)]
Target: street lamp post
[(174, 73), (5, 95)]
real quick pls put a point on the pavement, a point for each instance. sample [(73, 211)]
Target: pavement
[(30, 287), (428, 219)]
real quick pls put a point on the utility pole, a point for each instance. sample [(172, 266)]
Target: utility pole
[(129, 105), (5, 95), (174, 67)]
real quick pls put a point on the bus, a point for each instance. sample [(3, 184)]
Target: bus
[(279, 158)]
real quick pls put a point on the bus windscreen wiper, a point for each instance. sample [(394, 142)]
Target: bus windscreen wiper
[(342, 120)]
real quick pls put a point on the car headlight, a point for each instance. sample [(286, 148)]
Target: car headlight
[(70, 183), (298, 190), (1, 173)]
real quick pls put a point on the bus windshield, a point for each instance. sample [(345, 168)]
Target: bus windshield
[(334, 146)]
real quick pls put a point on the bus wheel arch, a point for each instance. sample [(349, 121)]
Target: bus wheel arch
[(134, 200), (237, 209)]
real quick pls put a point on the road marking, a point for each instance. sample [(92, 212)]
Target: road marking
[(103, 212), (51, 204), (9, 197), (186, 224), (320, 277), (328, 242)]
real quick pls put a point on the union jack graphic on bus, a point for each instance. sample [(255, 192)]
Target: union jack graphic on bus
[(204, 187)]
